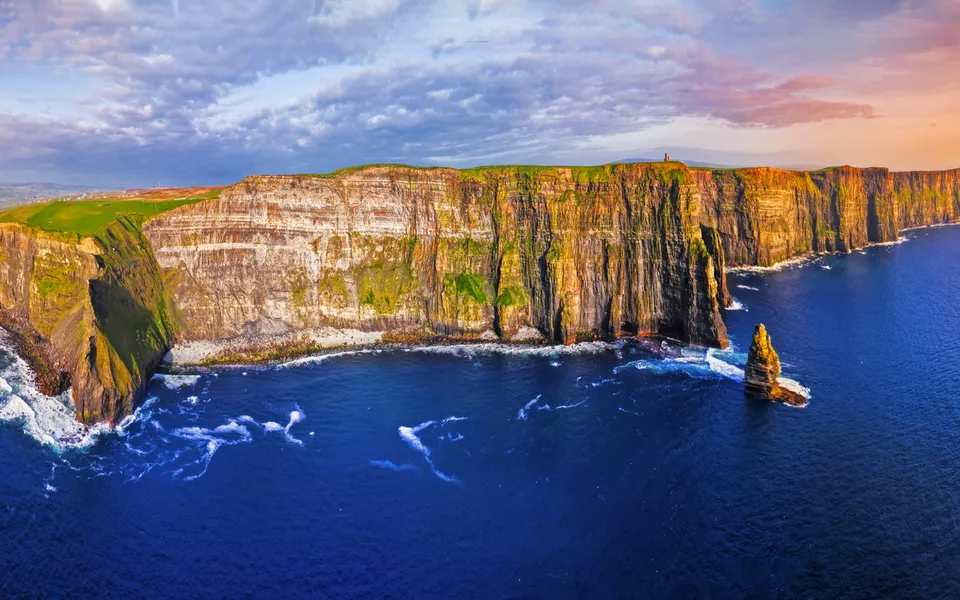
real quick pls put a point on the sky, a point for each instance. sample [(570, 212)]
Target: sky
[(121, 93)]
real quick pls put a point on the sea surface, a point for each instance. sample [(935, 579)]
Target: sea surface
[(599, 471)]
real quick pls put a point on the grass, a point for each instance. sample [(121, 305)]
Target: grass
[(88, 217)]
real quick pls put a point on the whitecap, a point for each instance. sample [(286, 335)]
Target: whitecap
[(50, 420), (794, 386), (295, 417), (175, 382), (797, 261), (736, 305), (391, 466), (272, 426), (747, 287), (319, 358), (409, 435), (522, 413)]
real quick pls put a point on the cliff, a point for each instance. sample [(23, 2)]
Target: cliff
[(576, 253), (571, 253), (88, 313), (767, 215)]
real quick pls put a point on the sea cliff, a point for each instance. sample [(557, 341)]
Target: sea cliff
[(559, 254)]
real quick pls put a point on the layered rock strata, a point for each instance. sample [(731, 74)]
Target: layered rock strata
[(399, 253), (576, 253), (762, 373), (91, 314)]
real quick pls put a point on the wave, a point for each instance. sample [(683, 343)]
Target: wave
[(691, 363), (736, 305), (797, 261), (50, 420), (176, 382), (794, 386), (319, 358), (391, 466), (522, 413), (409, 435), (747, 287), (474, 350), (900, 239)]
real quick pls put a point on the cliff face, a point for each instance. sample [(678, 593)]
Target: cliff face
[(768, 215), (575, 253), (90, 314)]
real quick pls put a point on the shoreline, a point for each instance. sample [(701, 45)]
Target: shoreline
[(276, 349), (806, 257)]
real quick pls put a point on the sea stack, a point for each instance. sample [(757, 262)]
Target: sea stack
[(763, 370)]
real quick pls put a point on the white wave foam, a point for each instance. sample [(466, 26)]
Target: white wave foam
[(736, 305), (473, 350), (391, 466), (747, 287), (5, 387), (272, 426), (695, 364), (319, 358), (295, 417), (790, 263), (794, 386), (900, 239), (409, 435), (827, 267), (722, 367), (522, 413), (49, 420), (175, 382)]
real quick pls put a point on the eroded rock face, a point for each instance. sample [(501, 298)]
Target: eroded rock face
[(768, 215), (576, 254), (90, 313), (762, 373), (520, 253)]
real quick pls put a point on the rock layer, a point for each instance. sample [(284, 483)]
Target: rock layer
[(762, 373), (490, 253), (90, 313), (576, 253), (767, 215)]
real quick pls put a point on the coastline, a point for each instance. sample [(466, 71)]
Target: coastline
[(807, 257)]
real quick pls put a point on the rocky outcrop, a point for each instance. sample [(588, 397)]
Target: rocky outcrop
[(576, 253), (767, 215), (762, 373), (90, 313)]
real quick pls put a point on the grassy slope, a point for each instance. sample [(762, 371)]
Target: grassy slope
[(88, 217)]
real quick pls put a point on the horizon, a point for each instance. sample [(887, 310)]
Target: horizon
[(700, 166), (142, 93)]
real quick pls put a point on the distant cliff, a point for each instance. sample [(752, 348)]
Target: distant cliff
[(575, 253), (766, 215)]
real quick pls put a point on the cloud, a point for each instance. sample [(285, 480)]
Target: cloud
[(410, 80)]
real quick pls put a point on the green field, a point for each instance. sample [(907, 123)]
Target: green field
[(87, 217)]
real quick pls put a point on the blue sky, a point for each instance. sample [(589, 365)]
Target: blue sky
[(181, 92)]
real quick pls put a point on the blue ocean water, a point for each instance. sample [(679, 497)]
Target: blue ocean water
[(601, 471)]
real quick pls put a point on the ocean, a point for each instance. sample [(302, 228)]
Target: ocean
[(606, 470)]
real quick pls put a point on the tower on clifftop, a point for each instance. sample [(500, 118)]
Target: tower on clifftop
[(666, 158)]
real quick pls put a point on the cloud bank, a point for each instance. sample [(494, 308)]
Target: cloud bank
[(183, 91)]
